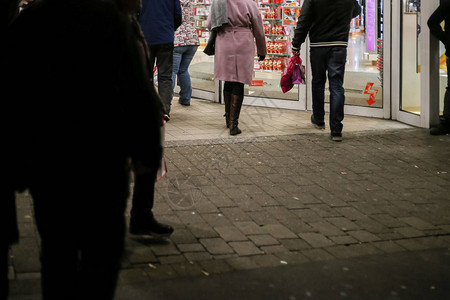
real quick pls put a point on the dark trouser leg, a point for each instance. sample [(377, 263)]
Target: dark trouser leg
[(164, 62), (336, 71), (82, 229), (142, 220), (9, 234), (319, 57), (444, 122), (143, 195)]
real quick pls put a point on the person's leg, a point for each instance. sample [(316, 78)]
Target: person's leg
[(59, 253), (444, 122), (101, 226), (336, 71), (177, 54), (143, 195), (142, 220), (10, 234), (227, 88), (164, 63), (183, 74), (102, 247), (318, 57), (237, 97)]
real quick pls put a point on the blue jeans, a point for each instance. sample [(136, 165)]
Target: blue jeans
[(331, 60), (182, 57)]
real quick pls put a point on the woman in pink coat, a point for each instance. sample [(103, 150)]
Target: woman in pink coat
[(239, 25)]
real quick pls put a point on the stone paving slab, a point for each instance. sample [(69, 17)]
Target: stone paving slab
[(254, 202)]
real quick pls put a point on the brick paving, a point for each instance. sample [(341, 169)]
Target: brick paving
[(254, 202)]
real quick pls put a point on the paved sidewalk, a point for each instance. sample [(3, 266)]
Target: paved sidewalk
[(281, 195), (204, 120)]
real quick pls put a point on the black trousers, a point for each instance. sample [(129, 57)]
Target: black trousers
[(328, 61), (143, 195), (163, 56), (80, 217), (9, 234)]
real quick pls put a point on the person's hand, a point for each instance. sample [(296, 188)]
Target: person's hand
[(261, 57), (295, 52)]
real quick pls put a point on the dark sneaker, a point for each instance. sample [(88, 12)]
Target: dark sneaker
[(150, 227), (184, 103), (442, 129), (336, 136), (318, 125)]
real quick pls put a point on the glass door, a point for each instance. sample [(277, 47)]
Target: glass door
[(367, 76), (279, 19), (411, 57), (411, 62)]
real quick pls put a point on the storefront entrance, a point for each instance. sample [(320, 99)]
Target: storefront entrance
[(418, 78), (395, 69)]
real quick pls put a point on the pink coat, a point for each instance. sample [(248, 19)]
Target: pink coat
[(235, 43)]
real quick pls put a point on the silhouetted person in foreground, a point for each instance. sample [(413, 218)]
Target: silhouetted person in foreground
[(8, 220), (82, 108)]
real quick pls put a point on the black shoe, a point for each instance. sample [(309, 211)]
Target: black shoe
[(318, 125), (443, 127), (336, 136), (184, 104), (150, 227), (439, 131)]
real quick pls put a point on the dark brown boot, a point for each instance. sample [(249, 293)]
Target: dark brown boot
[(227, 100), (235, 110)]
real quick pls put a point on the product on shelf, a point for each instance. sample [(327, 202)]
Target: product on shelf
[(272, 64), (201, 11), (278, 34)]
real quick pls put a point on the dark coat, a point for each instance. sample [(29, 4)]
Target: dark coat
[(326, 21), (159, 19), (235, 42)]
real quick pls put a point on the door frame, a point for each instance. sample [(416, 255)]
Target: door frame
[(429, 75)]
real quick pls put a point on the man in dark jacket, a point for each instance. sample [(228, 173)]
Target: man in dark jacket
[(159, 19), (328, 25), (442, 13)]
